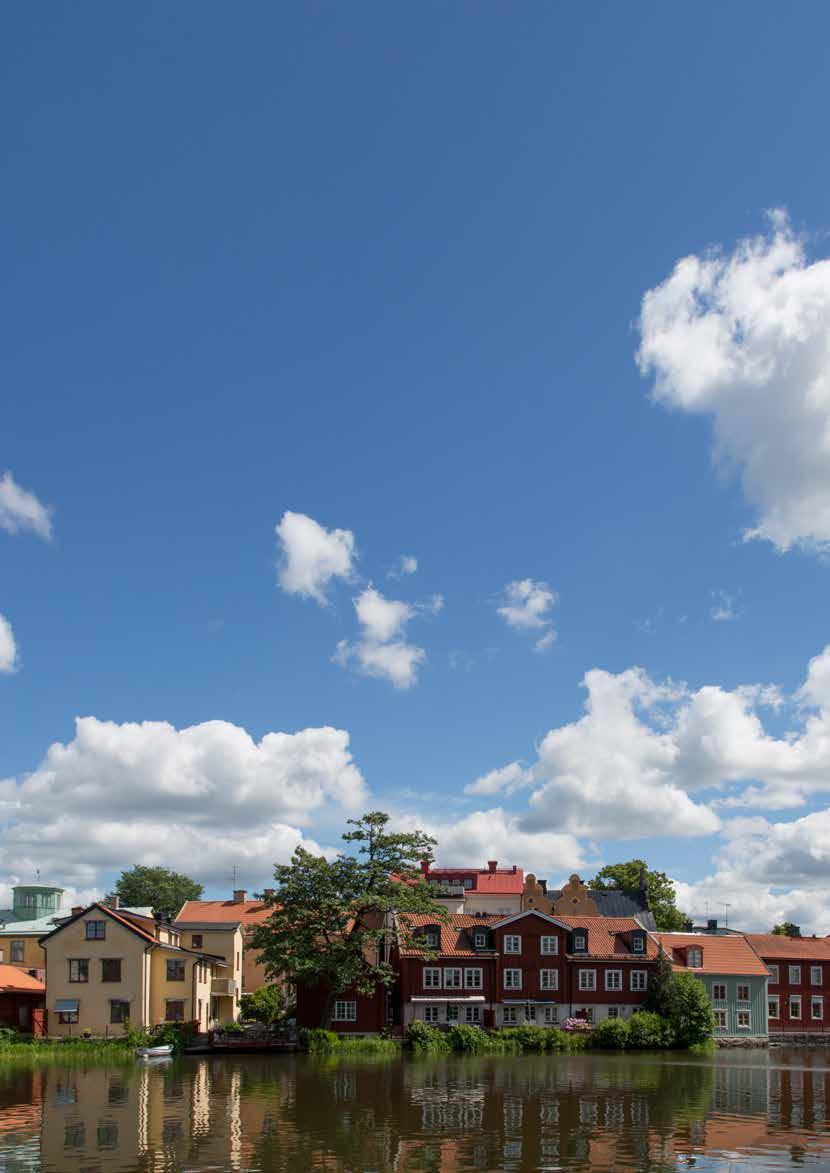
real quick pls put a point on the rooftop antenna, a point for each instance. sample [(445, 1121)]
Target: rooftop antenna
[(37, 874), (725, 906), (707, 909), (235, 875)]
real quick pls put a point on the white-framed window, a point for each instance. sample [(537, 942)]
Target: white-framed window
[(817, 1008), (587, 979), (96, 930), (773, 1006), (549, 946), (432, 938), (719, 992), (815, 975), (639, 943), (473, 979), (773, 974), (794, 975), (550, 1015), (17, 952), (432, 1013), (472, 1014), (613, 979), (480, 939), (548, 979), (580, 942), (638, 979), (694, 957), (743, 992), (452, 979), (742, 1020), (512, 979), (432, 978), (530, 1013), (468, 883), (795, 1006), (510, 1015), (613, 1011), (452, 1012), (720, 1020), (512, 944), (345, 1010)]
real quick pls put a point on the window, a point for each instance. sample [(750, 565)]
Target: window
[(16, 951), (742, 1019), (67, 1017), (580, 942), (119, 1011), (79, 970), (795, 975), (773, 974), (720, 1020), (111, 969), (96, 930), (175, 970), (468, 883), (639, 979), (196, 941), (613, 1011), (772, 1006), (509, 1016), (431, 1013), (638, 942), (550, 1015), (718, 992), (107, 1135), (795, 1006), (472, 979), (549, 946), (743, 993), (452, 1013), (480, 939), (452, 979), (432, 978), (530, 1013), (174, 1011), (512, 979), (472, 1013), (548, 979), (345, 1010), (587, 979), (816, 1009), (815, 975), (432, 936), (613, 979), (694, 957), (512, 944)]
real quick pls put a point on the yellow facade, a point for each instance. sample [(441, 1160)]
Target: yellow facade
[(222, 940), (23, 951)]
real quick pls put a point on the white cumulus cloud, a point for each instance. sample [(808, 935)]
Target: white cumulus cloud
[(744, 337), (382, 649), (526, 606), (8, 647), (311, 556), (21, 510)]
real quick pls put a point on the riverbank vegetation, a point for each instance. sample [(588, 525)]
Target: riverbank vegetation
[(326, 1042), (16, 1046)]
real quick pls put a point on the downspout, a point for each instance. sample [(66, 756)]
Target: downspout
[(145, 1007)]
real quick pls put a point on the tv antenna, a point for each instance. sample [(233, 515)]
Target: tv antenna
[(725, 906), (235, 874)]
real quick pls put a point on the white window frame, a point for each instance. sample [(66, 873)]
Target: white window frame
[(638, 944), (432, 937), (776, 1000), (452, 978), (743, 1014), (694, 957), (548, 979), (480, 939), (17, 952), (509, 1015), (549, 946), (743, 997), (432, 977), (472, 1014), (512, 944), (816, 981), (795, 1000), (473, 979), (794, 975), (774, 976), (718, 997), (550, 1015), (613, 1012), (617, 976), (452, 1011), (588, 980), (720, 1019), (345, 1010), (432, 1014), (512, 979), (816, 1000), (641, 983), (580, 942)]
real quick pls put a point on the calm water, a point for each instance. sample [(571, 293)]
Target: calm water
[(743, 1111)]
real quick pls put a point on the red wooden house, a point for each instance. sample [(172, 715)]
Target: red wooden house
[(21, 997), (798, 995)]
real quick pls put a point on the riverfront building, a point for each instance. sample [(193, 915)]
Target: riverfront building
[(732, 973), (799, 983)]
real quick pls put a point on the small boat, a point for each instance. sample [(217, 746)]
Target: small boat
[(161, 1052)]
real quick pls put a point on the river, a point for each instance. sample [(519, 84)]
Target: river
[(752, 1110)]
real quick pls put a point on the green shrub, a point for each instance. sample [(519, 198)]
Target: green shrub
[(318, 1041), (690, 1015), (648, 1031), (425, 1039), (532, 1039), (611, 1034), (268, 1005), (469, 1039)]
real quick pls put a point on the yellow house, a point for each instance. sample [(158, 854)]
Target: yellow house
[(203, 916), (222, 939), (35, 910), (109, 966)]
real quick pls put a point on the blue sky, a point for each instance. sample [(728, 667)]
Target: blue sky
[(384, 268)]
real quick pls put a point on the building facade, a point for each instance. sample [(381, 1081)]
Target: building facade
[(798, 997), (20, 996), (491, 889), (35, 909), (240, 911), (732, 973)]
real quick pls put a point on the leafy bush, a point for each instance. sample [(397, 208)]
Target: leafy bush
[(425, 1039), (8, 1036), (691, 1017), (318, 1041), (611, 1034), (268, 1005), (532, 1039), (177, 1034), (648, 1031), (469, 1039)]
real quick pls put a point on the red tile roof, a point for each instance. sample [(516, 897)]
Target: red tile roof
[(770, 945), (455, 939), (501, 882), (727, 953), (246, 912), (14, 980), (609, 936)]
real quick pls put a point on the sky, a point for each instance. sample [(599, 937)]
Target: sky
[(418, 408)]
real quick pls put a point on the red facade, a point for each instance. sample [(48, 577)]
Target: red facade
[(799, 982), (352, 1013)]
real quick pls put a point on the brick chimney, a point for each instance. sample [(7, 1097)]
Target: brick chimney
[(77, 910), (240, 896), (115, 902), (492, 864)]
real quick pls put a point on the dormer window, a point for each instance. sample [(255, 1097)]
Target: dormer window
[(694, 957), (638, 943), (432, 936), (580, 941), (480, 939)]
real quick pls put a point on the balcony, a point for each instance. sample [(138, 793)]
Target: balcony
[(224, 987)]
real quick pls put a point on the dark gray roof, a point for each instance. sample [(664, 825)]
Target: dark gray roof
[(615, 902)]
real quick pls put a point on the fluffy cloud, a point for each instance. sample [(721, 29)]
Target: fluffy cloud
[(407, 564), (21, 510), (745, 338), (526, 606), (204, 798), (311, 556), (382, 650), (504, 780), (8, 647)]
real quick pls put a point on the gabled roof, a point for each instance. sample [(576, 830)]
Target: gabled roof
[(128, 923), (226, 912), (722, 955), (501, 882), (772, 946), (517, 916), (14, 980), (455, 932), (609, 937)]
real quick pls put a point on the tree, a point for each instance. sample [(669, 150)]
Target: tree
[(630, 877), (268, 1004), (691, 1018), (787, 929), (331, 918), (659, 992), (163, 890)]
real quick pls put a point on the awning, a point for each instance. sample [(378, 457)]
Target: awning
[(530, 1002), (442, 998), (66, 1005)]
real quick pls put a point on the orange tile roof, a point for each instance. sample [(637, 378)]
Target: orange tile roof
[(14, 980), (806, 948), (501, 882), (727, 953), (455, 941), (247, 912), (604, 935)]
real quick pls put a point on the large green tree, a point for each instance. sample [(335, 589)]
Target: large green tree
[(163, 890), (787, 929), (330, 921), (661, 894)]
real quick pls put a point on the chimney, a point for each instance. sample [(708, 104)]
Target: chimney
[(240, 896), (115, 902), (424, 866), (492, 864), (711, 925), (269, 893), (514, 869), (77, 910)]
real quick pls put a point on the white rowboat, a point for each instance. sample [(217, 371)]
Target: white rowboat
[(162, 1052)]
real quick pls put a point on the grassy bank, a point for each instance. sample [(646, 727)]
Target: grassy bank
[(69, 1051), (326, 1042)]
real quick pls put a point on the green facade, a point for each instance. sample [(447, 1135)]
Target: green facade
[(756, 1004)]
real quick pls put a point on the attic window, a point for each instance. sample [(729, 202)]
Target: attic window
[(432, 936), (480, 939), (694, 957), (638, 943), (580, 941)]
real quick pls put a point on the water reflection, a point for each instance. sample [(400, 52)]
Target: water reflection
[(753, 1111)]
